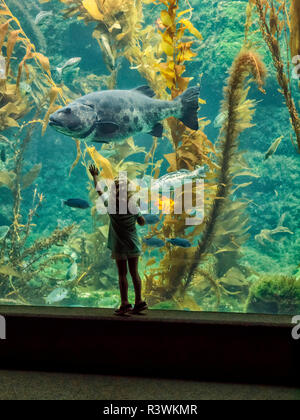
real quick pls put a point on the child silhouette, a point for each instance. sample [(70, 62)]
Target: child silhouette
[(123, 241)]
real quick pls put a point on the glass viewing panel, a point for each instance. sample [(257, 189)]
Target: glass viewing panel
[(196, 105)]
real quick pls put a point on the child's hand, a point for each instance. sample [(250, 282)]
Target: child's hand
[(93, 171)]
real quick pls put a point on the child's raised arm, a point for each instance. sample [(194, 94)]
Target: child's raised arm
[(95, 173)]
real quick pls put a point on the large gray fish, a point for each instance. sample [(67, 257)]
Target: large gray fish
[(114, 115)]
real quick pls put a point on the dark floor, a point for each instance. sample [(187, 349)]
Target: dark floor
[(17, 385), (26, 385)]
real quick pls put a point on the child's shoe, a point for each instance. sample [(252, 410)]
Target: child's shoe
[(139, 308), (124, 309)]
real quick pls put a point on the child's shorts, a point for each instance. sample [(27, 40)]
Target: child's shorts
[(124, 257)]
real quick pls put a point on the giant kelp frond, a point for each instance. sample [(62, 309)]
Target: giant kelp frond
[(31, 69), (295, 28), (160, 56), (272, 20), (118, 23), (12, 105), (144, 55), (44, 244), (101, 163), (18, 35), (30, 263), (35, 65), (176, 50), (247, 63), (191, 148)]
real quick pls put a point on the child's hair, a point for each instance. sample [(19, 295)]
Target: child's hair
[(123, 184)]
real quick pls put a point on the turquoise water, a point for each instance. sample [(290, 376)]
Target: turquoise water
[(249, 260)]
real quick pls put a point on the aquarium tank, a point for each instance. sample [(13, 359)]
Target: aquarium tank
[(236, 246)]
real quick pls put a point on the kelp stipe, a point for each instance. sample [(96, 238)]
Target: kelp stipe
[(271, 27), (246, 64), (163, 65), (295, 29)]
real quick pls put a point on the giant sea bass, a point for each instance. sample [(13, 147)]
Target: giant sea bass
[(114, 115)]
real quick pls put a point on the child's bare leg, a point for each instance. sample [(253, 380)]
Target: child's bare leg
[(123, 283), (137, 283)]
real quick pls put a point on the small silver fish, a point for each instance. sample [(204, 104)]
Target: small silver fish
[(109, 58), (41, 16), (2, 67), (73, 62), (72, 271), (57, 295), (25, 88), (220, 119), (274, 147)]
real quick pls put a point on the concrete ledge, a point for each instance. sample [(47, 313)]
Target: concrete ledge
[(203, 346)]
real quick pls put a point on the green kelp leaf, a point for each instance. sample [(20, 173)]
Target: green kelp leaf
[(31, 176), (246, 174), (8, 270), (7, 179), (104, 231)]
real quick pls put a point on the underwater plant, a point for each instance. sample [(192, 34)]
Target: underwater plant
[(275, 294), (208, 275), (266, 236), (247, 63), (195, 148), (162, 63), (273, 21), (166, 277), (295, 30), (118, 22), (22, 258)]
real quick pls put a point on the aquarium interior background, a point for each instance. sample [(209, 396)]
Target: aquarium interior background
[(252, 264)]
